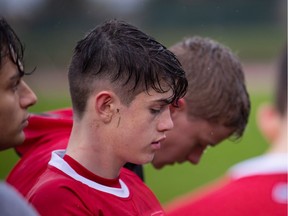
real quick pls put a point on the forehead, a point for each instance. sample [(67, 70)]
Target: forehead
[(153, 96)]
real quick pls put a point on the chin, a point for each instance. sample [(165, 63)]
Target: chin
[(18, 140), (157, 165), (144, 160)]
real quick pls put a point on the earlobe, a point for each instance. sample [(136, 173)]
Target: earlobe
[(104, 105), (181, 106), (180, 111)]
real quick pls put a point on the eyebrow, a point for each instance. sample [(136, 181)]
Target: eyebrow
[(15, 77), (162, 100)]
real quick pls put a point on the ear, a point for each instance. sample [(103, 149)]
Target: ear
[(269, 122), (182, 106), (105, 105)]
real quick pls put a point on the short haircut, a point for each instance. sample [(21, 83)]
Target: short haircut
[(281, 84), (10, 46), (216, 91), (128, 59)]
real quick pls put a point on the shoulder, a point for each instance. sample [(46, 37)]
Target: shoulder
[(237, 197), (60, 191), (54, 180)]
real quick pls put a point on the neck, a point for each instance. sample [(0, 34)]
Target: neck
[(92, 152)]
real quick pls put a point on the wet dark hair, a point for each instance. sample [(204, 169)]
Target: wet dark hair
[(11, 46), (128, 59)]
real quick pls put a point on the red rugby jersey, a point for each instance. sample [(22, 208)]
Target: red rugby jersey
[(255, 187), (67, 188)]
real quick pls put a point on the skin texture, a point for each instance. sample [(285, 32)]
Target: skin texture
[(147, 119), (191, 136), (16, 97), (138, 130)]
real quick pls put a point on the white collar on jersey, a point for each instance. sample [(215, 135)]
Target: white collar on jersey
[(261, 165), (58, 162)]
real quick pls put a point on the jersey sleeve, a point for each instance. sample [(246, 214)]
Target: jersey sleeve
[(57, 200), (43, 127)]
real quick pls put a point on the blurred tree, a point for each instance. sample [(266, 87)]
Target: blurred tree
[(171, 13), (54, 28), (51, 29)]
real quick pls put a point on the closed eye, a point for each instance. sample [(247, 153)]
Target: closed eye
[(155, 111), (15, 82), (159, 108)]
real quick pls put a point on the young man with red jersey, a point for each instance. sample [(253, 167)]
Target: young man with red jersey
[(121, 83), (257, 186)]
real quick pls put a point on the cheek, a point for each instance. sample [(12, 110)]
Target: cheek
[(139, 121), (10, 104), (189, 141), (11, 130), (8, 113), (132, 127)]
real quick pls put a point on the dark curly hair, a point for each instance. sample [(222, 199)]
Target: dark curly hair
[(11, 46)]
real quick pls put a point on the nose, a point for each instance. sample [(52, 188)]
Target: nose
[(27, 96), (165, 122)]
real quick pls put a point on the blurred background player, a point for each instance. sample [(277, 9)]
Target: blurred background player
[(216, 105), (257, 186)]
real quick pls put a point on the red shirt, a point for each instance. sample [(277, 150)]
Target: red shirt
[(257, 187), (67, 188), (44, 134)]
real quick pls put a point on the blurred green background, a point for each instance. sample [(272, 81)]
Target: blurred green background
[(254, 30)]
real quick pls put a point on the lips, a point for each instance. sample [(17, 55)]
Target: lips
[(25, 122), (157, 145), (161, 139)]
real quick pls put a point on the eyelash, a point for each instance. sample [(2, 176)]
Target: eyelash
[(155, 111), (158, 109), (15, 85)]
